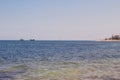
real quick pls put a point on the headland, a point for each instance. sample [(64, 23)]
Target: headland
[(114, 38)]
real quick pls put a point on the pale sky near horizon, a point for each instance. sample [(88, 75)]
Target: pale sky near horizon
[(59, 19)]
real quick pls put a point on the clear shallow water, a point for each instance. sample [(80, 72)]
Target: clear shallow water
[(45, 60)]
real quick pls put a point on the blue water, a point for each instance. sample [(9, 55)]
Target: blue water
[(23, 51), (59, 60)]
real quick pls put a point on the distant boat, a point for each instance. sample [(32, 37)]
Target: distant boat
[(32, 39), (21, 39)]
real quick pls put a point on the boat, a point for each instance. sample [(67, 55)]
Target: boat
[(32, 39), (21, 39)]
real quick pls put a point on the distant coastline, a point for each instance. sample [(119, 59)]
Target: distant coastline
[(114, 38), (110, 40)]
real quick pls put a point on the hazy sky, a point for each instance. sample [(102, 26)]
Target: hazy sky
[(59, 19)]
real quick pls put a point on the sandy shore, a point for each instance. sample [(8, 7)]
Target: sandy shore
[(109, 40)]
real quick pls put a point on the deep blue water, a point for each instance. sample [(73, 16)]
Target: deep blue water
[(23, 51)]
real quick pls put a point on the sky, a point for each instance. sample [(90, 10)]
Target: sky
[(59, 19)]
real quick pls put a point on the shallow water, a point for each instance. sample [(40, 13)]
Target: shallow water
[(59, 60)]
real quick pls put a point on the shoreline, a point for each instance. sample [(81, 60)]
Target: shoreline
[(109, 40)]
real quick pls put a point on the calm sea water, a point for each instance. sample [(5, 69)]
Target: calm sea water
[(17, 51), (59, 60)]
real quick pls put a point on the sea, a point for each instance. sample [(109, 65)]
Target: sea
[(59, 60)]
